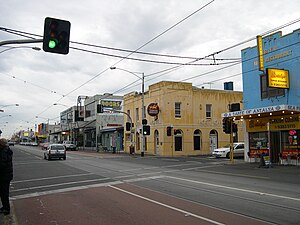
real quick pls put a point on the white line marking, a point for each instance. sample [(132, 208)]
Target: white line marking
[(49, 178), (236, 189), (167, 206), (60, 184), (36, 194)]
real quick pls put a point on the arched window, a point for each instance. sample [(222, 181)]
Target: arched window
[(178, 140), (197, 140)]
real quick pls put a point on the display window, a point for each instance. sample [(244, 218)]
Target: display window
[(290, 143), (258, 144)]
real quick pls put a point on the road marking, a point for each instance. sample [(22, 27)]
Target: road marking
[(168, 206), (37, 194), (233, 188), (60, 184), (49, 178), (235, 174)]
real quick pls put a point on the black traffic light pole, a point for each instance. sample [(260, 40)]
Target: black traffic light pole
[(21, 41)]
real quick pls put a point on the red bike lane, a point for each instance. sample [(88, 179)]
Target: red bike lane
[(122, 204)]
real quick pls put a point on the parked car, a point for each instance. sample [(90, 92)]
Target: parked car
[(57, 151), (44, 145), (69, 145), (238, 150), (11, 143)]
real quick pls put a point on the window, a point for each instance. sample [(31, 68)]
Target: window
[(177, 109), (90, 110), (208, 110), (197, 140), (178, 140), (267, 92), (128, 116), (137, 114)]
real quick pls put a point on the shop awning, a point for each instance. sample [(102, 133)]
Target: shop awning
[(276, 110)]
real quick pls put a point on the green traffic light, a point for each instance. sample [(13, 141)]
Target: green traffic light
[(52, 44)]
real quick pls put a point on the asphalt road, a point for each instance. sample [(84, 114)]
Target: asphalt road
[(94, 188)]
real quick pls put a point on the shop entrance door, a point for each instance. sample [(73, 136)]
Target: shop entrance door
[(275, 146)]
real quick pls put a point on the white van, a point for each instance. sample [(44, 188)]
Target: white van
[(238, 150)]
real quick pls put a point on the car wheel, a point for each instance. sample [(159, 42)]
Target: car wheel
[(228, 155), (65, 157)]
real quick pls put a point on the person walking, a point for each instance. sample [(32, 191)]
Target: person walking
[(6, 175)]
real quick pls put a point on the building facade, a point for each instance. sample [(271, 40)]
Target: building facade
[(272, 98), (184, 120), (104, 122)]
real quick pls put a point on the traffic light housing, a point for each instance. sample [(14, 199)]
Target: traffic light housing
[(128, 126), (234, 128), (169, 131), (226, 126), (56, 36), (146, 130), (99, 108)]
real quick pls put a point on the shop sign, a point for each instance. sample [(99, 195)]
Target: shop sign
[(276, 123), (153, 109), (111, 104), (268, 109), (278, 78)]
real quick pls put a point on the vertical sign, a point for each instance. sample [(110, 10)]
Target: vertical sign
[(260, 53)]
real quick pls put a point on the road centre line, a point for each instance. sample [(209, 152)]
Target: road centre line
[(167, 206), (49, 178), (233, 188)]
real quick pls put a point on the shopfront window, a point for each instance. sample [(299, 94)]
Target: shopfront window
[(290, 144), (258, 140)]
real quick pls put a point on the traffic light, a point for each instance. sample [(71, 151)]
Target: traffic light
[(128, 126), (56, 36), (226, 126), (146, 130), (169, 131), (176, 132), (99, 108), (234, 128)]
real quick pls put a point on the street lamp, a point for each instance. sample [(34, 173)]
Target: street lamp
[(143, 100), (4, 106), (61, 105), (10, 48), (4, 116)]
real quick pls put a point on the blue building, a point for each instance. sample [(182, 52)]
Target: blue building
[(271, 85)]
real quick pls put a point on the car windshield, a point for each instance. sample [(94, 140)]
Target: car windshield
[(57, 147), (68, 142)]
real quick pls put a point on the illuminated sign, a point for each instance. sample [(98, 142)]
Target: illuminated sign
[(278, 78), (260, 53), (111, 104)]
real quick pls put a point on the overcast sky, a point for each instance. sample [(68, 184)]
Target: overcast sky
[(36, 80)]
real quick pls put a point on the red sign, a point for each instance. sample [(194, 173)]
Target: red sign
[(153, 109)]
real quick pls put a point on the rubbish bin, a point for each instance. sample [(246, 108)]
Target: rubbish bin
[(113, 150), (131, 149)]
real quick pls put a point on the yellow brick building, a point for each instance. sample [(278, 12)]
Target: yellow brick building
[(193, 115)]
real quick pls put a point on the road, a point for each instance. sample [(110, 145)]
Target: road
[(94, 188)]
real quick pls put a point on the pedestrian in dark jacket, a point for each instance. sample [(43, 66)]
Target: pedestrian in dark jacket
[(6, 175)]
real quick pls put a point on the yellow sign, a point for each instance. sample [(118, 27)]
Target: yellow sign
[(260, 53), (278, 78), (289, 122)]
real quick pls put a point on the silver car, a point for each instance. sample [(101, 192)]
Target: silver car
[(55, 151)]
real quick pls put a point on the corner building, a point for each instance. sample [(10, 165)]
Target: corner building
[(272, 98), (192, 114)]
